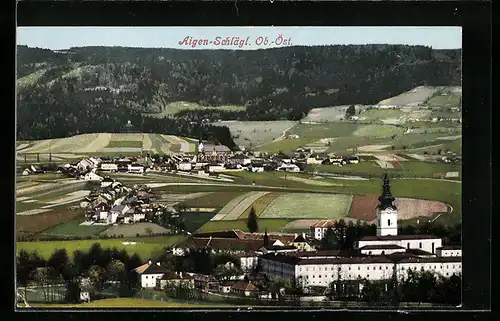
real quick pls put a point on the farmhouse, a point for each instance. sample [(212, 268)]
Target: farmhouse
[(300, 242), (318, 229), (184, 166), (245, 289), (150, 274), (239, 159), (210, 152), (248, 261), (107, 181), (289, 168), (92, 176), (174, 278), (108, 166)]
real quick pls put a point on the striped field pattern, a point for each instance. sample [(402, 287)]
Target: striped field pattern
[(235, 213), (230, 206)]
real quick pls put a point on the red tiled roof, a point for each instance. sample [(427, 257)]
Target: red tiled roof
[(324, 224), (244, 287)]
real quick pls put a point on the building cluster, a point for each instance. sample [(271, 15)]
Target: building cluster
[(113, 203), (299, 257), (212, 158)]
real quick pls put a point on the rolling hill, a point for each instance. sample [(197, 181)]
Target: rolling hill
[(99, 89), (109, 143)]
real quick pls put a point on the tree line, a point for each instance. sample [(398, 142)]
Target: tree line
[(103, 267), (89, 89)]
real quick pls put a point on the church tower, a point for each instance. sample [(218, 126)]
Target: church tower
[(387, 214)]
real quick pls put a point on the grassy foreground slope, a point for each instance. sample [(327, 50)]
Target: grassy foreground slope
[(145, 247), (125, 303)]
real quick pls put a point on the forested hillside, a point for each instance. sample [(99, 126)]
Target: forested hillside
[(96, 89)]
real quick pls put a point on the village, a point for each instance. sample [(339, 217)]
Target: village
[(210, 160)]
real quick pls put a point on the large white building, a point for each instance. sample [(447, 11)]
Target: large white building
[(149, 274), (379, 257)]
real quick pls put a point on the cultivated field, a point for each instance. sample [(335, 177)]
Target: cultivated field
[(448, 97), (380, 131), (330, 114), (272, 225), (74, 228), (106, 143), (131, 230), (43, 221), (145, 247), (306, 205), (237, 206), (316, 180), (252, 134), (194, 220), (300, 224), (413, 97), (381, 115), (311, 135), (213, 199), (396, 166)]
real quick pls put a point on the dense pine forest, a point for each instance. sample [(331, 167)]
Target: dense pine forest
[(98, 89)]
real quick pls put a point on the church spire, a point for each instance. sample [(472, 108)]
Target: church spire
[(386, 197), (266, 238)]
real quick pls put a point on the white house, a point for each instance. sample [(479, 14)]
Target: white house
[(289, 168), (184, 166), (96, 161), (116, 211), (92, 176), (135, 169), (107, 181), (216, 168), (314, 160), (319, 229), (112, 167), (85, 285), (85, 164), (255, 169), (248, 261), (149, 274)]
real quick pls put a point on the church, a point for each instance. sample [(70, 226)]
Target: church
[(387, 240), (377, 257)]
